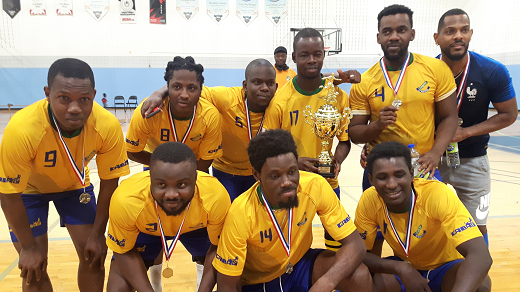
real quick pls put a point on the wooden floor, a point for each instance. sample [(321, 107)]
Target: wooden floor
[(503, 225)]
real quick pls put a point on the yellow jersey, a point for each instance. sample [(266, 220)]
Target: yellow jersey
[(249, 245), (440, 223), (132, 210), (286, 111), (35, 162), (230, 102), (283, 77), (205, 138), (427, 80)]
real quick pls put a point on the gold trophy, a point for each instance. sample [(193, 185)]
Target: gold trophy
[(326, 123)]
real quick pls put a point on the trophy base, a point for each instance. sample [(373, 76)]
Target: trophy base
[(326, 170)]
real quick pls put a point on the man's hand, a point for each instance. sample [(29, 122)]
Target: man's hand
[(96, 250), (155, 100), (308, 164), (412, 280), (461, 134), (350, 76), (322, 285), (337, 167), (429, 162), (387, 117), (32, 262), (363, 156)]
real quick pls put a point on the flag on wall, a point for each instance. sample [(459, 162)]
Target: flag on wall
[(11, 7), (37, 7), (276, 10), (217, 9), (127, 11), (188, 8), (97, 8), (158, 11), (64, 7), (247, 10)]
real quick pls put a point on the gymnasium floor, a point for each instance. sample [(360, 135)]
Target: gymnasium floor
[(503, 224)]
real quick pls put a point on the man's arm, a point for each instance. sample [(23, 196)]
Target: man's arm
[(132, 269), (475, 267), (142, 157), (360, 131), (32, 259), (228, 283), (342, 151), (95, 247), (446, 115), (507, 112), (203, 165), (346, 261), (154, 100), (209, 276)]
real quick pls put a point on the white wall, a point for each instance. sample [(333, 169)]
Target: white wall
[(36, 41)]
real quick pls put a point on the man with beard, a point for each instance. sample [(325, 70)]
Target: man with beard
[(266, 239), (404, 96), (436, 244), (480, 80), (283, 72), (170, 201), (306, 89)]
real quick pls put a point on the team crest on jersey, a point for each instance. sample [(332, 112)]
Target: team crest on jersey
[(141, 248), (364, 235), (304, 219), (198, 226), (196, 138), (288, 77), (418, 233), (422, 89), (90, 155), (152, 228), (472, 93)]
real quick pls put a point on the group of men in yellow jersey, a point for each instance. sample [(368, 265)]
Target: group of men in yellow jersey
[(251, 224)]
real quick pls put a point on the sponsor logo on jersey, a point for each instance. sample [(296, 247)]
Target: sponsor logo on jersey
[(152, 228), (466, 226), (90, 156), (344, 221), (472, 93), (121, 243), (119, 165), (132, 142), (200, 225), (303, 220), (196, 138), (11, 180), (36, 223), (215, 150), (421, 88), (231, 262), (483, 208), (418, 233)]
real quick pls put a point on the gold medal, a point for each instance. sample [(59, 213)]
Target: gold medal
[(397, 103), (167, 273), (460, 121), (289, 268), (84, 198)]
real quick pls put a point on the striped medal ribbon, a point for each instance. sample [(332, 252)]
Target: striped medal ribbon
[(460, 92), (168, 249), (404, 245), (285, 243), (80, 174), (397, 102), (174, 130), (249, 127)]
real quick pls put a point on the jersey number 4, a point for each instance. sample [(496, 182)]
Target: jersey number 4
[(382, 94)]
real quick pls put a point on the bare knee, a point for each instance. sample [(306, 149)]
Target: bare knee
[(485, 286), (359, 280)]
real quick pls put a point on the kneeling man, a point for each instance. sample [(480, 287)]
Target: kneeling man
[(170, 201), (266, 240), (436, 243)]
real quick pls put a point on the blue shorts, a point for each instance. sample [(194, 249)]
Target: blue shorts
[(234, 184), (196, 242), (366, 184), (71, 211), (435, 276), (299, 280)]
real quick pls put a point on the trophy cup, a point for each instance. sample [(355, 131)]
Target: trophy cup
[(326, 123)]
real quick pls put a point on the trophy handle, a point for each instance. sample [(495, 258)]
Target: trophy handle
[(309, 117), (347, 114)]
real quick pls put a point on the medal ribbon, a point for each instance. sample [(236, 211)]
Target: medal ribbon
[(168, 250), (286, 244), (174, 130), (460, 92), (401, 75), (404, 245), (80, 174), (249, 128)]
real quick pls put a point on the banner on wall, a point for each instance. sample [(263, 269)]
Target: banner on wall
[(11, 7), (188, 8), (97, 8), (127, 11), (158, 11), (64, 7), (247, 10), (276, 10), (37, 7), (217, 9)]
